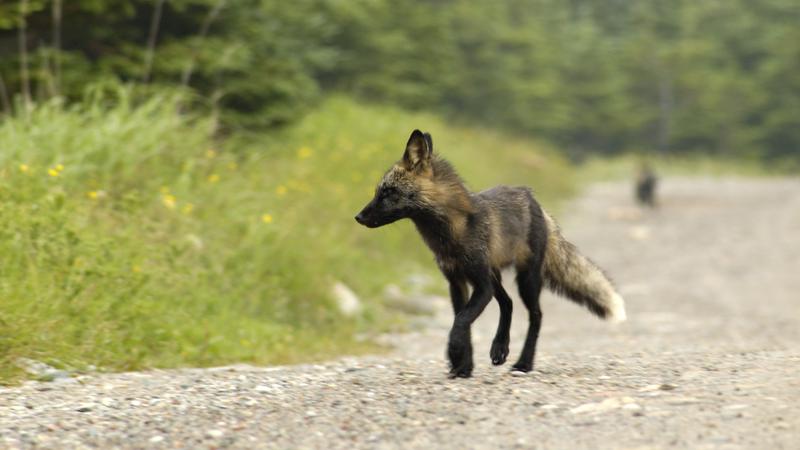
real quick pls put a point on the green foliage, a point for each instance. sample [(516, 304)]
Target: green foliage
[(130, 239), (718, 77)]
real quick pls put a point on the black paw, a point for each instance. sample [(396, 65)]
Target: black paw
[(499, 352), (522, 367), (461, 372), (459, 352)]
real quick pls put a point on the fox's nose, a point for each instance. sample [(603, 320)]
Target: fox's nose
[(360, 218)]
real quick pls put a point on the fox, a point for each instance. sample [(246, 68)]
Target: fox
[(645, 188), (474, 237)]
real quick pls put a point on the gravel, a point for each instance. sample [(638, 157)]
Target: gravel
[(708, 359)]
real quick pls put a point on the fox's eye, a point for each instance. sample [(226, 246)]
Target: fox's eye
[(389, 192)]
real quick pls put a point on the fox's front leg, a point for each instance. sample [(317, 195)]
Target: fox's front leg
[(458, 292), (459, 347)]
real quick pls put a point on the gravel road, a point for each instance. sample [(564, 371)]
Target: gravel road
[(708, 359)]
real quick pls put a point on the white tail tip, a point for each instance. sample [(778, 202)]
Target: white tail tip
[(617, 309)]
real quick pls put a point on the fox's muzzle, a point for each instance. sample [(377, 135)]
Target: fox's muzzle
[(365, 217), (375, 215), (361, 219)]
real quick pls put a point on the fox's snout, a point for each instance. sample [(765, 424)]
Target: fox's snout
[(360, 218), (365, 217)]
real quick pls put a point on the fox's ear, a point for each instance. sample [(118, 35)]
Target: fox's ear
[(429, 141), (418, 150)]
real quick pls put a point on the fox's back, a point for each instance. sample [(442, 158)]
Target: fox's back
[(510, 213)]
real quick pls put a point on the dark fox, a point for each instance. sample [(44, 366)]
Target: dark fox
[(476, 235), (646, 183)]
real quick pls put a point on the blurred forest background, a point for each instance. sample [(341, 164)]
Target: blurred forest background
[(704, 76), (178, 177)]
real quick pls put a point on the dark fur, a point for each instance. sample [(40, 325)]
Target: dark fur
[(646, 184), (474, 236)]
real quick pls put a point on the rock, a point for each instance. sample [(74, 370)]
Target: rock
[(43, 371), (265, 389), (735, 407), (156, 439), (85, 407), (393, 292), (606, 405), (215, 433), (346, 299), (667, 387), (682, 400)]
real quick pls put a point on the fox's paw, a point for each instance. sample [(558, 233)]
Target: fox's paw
[(499, 351), (461, 372), (459, 352), (521, 366)]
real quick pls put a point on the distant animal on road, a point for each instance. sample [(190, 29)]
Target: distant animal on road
[(476, 235), (646, 183)]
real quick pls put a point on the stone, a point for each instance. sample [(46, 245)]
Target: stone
[(346, 299)]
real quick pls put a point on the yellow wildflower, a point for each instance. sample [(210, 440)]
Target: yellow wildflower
[(168, 200), (266, 218), (304, 152), (24, 168), (53, 172), (281, 190), (211, 153), (187, 209), (136, 268), (213, 178), (92, 195), (60, 167)]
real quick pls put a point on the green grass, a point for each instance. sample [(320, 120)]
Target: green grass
[(129, 238)]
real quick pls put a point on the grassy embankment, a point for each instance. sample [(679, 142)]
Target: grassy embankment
[(129, 238)]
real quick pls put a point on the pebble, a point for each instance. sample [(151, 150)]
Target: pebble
[(215, 433), (606, 405), (682, 400)]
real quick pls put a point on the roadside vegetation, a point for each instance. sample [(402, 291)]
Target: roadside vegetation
[(131, 238)]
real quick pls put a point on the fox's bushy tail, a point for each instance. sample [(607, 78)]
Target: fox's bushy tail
[(572, 275)]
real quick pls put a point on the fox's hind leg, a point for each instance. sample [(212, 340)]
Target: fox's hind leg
[(529, 281), (499, 351)]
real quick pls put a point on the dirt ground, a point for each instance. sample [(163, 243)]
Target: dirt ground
[(709, 357)]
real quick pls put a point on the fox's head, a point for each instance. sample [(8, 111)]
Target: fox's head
[(400, 193)]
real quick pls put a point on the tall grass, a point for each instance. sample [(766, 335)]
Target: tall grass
[(129, 238)]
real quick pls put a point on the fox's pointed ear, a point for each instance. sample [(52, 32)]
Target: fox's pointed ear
[(429, 141), (418, 150)]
